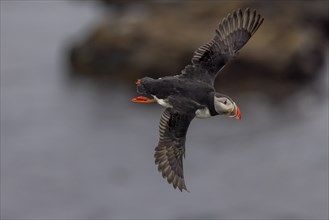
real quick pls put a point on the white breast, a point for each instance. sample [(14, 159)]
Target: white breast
[(202, 113)]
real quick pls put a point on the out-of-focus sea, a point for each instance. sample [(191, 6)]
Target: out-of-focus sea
[(72, 150)]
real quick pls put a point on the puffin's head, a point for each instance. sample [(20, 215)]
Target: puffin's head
[(224, 105)]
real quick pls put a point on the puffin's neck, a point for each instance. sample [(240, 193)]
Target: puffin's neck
[(211, 104)]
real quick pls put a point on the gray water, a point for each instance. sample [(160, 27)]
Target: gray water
[(72, 150)]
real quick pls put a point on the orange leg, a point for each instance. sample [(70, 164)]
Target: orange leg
[(143, 99)]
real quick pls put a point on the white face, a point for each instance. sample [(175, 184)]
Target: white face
[(224, 105)]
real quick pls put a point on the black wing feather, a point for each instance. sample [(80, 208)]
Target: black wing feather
[(231, 35), (171, 148)]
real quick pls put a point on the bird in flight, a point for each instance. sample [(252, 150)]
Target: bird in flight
[(192, 93)]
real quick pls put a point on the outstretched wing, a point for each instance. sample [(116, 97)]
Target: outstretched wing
[(171, 148), (231, 35)]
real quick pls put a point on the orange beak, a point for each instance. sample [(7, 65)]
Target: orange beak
[(238, 113)]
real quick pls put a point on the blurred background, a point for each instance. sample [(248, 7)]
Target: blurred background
[(74, 146)]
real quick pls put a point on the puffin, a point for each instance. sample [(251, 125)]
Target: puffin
[(191, 94)]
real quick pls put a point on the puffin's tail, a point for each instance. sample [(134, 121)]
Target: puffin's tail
[(140, 88), (144, 85)]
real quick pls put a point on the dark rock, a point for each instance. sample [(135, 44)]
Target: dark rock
[(159, 39)]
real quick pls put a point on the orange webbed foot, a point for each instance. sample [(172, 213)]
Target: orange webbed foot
[(143, 99)]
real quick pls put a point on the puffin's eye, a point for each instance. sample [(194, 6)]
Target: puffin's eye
[(225, 102)]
